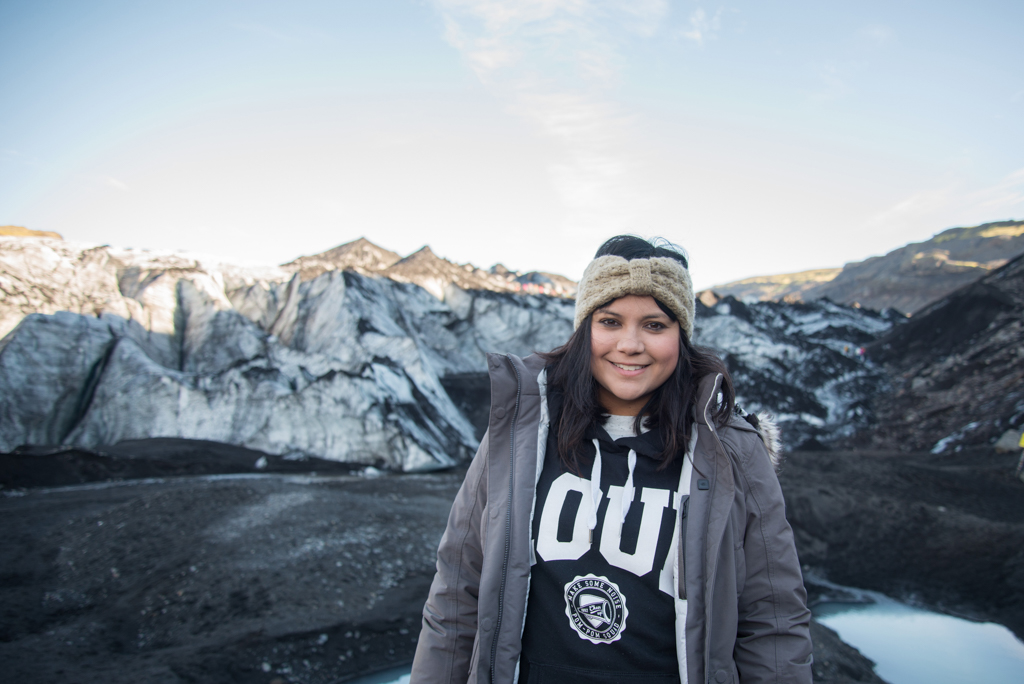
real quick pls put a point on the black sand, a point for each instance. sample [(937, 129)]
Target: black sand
[(246, 578), (258, 576)]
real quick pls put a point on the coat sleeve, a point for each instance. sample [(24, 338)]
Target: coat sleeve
[(773, 642), (450, 614)]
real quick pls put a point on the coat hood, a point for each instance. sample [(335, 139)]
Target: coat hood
[(762, 422)]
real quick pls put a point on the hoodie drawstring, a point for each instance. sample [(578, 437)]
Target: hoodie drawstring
[(595, 488), (627, 490)]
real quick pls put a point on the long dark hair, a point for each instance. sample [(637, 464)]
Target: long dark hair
[(670, 407)]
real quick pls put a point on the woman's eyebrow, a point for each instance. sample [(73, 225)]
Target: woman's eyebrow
[(660, 316)]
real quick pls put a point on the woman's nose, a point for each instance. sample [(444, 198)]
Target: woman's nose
[(630, 344)]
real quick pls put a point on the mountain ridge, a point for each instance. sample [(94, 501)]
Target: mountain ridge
[(358, 254), (906, 279), (428, 270)]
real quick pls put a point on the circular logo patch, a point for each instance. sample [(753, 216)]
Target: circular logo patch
[(596, 609)]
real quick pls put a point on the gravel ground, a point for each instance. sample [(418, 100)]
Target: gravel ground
[(945, 531), (250, 577), (217, 579)]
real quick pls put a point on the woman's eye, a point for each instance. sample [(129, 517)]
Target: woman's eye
[(656, 326), (608, 321)]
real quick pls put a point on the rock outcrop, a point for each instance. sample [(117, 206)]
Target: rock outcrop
[(798, 361)]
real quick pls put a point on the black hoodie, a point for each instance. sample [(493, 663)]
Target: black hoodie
[(595, 611)]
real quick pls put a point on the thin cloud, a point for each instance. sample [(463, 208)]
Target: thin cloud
[(555, 63), (832, 83), (834, 76), (17, 157), (111, 182), (952, 202), (920, 204), (261, 31), (645, 17), (276, 34), (1007, 194), (702, 27), (878, 34)]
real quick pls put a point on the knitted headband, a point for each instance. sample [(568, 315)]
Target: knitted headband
[(610, 277)]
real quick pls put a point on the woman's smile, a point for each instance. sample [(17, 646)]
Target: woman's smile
[(634, 349), (630, 368)]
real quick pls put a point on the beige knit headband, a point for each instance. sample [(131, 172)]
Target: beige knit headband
[(610, 277)]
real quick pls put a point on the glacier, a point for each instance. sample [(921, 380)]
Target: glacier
[(105, 344)]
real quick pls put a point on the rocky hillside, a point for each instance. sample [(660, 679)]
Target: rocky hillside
[(957, 369), (905, 279), (21, 231), (785, 287), (941, 530), (799, 362), (108, 345)]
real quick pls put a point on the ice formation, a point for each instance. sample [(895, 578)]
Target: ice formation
[(104, 345)]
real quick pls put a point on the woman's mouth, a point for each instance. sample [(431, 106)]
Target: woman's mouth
[(627, 367)]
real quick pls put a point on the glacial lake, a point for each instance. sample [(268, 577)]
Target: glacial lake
[(909, 645), (396, 675)]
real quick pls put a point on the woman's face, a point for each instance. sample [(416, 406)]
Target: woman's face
[(634, 348)]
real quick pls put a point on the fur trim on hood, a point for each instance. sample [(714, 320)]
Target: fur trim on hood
[(771, 435), (769, 432)]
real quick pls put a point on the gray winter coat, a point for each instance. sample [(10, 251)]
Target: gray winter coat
[(741, 600)]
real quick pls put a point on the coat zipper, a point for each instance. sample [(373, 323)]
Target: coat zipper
[(714, 569), (682, 546), (508, 518)]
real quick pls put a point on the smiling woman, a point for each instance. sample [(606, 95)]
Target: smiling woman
[(635, 348), (620, 521)]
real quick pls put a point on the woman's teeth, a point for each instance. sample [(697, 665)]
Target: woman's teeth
[(629, 368)]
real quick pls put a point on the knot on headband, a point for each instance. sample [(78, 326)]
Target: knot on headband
[(640, 281), (610, 277)]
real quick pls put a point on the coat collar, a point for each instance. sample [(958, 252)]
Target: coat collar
[(763, 423), (707, 394)]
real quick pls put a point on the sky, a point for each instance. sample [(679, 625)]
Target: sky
[(761, 137)]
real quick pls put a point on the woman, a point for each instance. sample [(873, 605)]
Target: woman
[(620, 522)]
